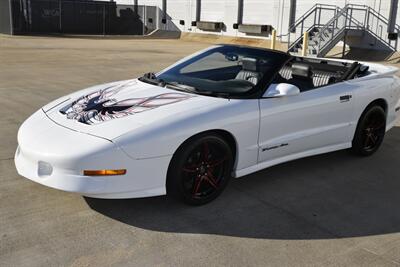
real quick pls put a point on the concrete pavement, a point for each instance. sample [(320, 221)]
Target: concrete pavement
[(329, 210)]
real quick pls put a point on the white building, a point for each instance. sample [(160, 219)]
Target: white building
[(263, 12)]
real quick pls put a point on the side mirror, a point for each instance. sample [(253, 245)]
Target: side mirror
[(282, 89)]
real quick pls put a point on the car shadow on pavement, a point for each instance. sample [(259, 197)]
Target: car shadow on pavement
[(328, 196)]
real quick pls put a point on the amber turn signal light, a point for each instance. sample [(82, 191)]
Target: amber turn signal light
[(104, 172)]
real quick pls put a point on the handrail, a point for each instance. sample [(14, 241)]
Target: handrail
[(302, 17), (350, 22), (371, 10), (328, 24), (382, 18), (300, 21), (357, 25), (343, 12), (308, 13), (380, 38), (305, 16), (298, 39)]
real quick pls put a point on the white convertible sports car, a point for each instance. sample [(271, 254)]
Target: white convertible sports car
[(224, 112)]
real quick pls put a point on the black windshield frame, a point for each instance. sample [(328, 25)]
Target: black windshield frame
[(277, 60)]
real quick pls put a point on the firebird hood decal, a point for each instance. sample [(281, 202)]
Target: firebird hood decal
[(105, 104)]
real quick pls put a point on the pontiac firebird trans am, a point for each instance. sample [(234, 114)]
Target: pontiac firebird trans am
[(224, 112)]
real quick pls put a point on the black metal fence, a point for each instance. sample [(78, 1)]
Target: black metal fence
[(81, 17)]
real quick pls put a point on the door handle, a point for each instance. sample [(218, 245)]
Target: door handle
[(345, 98)]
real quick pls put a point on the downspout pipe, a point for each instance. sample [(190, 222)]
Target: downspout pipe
[(392, 16), (240, 12), (292, 15), (164, 10), (135, 6), (11, 17), (198, 10)]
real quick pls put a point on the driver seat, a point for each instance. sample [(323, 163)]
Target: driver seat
[(250, 70)]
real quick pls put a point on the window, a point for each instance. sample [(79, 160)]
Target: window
[(214, 61), (226, 69)]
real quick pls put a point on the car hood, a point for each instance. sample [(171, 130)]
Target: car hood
[(110, 110)]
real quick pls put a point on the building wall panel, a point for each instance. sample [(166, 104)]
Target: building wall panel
[(213, 10), (257, 12), (5, 17), (270, 12)]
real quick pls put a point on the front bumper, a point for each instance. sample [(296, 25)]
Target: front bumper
[(55, 156)]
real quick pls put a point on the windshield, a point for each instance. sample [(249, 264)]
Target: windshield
[(225, 69)]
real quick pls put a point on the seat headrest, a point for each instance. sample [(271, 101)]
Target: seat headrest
[(301, 71), (249, 64)]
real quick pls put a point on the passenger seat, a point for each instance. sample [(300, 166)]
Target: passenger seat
[(250, 70), (323, 78)]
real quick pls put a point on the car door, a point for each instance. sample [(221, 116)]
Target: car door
[(303, 123)]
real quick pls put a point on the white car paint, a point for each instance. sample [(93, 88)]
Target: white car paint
[(54, 150)]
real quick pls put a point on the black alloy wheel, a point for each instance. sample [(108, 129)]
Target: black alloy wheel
[(200, 170), (370, 131)]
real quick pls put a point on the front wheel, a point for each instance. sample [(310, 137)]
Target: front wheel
[(200, 170), (370, 131)]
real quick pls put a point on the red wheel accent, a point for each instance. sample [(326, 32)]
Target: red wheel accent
[(204, 170), (200, 169), (216, 163), (210, 178), (197, 185), (191, 168)]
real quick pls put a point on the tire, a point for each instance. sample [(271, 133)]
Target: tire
[(370, 131), (200, 170)]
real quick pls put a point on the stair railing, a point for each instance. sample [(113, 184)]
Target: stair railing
[(336, 27), (352, 16), (312, 18), (378, 25), (372, 22)]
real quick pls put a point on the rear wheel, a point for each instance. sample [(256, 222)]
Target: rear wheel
[(370, 131), (200, 170)]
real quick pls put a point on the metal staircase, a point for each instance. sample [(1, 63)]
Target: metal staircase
[(350, 21)]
